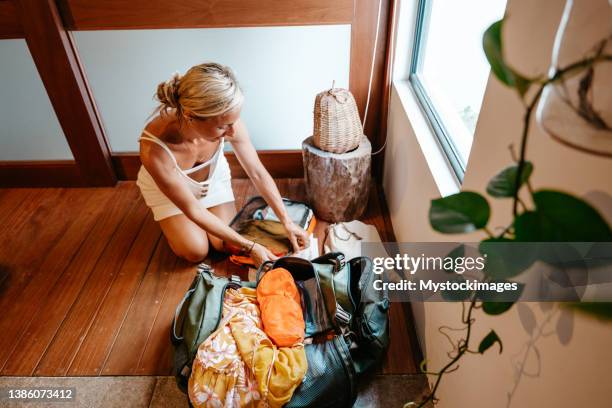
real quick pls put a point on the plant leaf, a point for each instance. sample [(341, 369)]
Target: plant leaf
[(560, 217), (565, 326), (506, 258), (493, 49), (459, 213), (600, 310), (502, 185), (496, 308), (488, 341), (527, 317)]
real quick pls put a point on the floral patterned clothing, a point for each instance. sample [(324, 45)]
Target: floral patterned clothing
[(238, 365)]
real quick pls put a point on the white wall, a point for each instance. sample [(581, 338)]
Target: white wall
[(568, 355), (29, 129), (281, 69)]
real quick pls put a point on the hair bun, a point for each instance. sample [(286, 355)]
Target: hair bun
[(168, 92), (205, 90)]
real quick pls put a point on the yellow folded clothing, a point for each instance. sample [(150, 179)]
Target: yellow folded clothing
[(238, 366), (278, 371)]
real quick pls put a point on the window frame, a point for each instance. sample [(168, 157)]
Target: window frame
[(433, 117)]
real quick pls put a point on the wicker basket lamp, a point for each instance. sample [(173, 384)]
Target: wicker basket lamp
[(337, 127)]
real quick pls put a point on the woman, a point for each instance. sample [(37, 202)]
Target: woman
[(185, 178)]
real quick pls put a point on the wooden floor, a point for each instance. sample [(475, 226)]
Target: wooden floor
[(91, 285)]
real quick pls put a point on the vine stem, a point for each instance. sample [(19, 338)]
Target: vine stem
[(463, 347), (462, 350), (559, 74), (523, 151)]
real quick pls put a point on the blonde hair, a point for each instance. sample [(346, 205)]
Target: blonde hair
[(206, 90)]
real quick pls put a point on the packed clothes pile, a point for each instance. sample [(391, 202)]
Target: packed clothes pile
[(256, 356), (297, 334)]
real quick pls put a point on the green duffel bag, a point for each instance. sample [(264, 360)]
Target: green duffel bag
[(335, 297)]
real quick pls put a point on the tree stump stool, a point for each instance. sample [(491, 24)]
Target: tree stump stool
[(337, 185)]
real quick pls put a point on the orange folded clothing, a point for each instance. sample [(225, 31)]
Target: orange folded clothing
[(281, 309)]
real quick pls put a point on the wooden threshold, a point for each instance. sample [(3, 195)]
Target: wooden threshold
[(65, 173), (279, 163), (54, 173)]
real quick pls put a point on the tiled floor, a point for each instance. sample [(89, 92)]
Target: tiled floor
[(161, 392)]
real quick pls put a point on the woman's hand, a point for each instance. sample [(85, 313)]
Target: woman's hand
[(297, 236), (261, 254), (264, 183)]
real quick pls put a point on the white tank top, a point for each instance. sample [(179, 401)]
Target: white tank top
[(199, 188)]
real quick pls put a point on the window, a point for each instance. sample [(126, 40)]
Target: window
[(449, 70)]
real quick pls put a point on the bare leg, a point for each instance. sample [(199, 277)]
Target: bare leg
[(188, 240), (225, 212), (185, 237)]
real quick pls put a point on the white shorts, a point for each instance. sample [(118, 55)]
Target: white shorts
[(219, 191)]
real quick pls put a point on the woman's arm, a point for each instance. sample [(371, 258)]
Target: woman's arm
[(264, 183), (161, 167)]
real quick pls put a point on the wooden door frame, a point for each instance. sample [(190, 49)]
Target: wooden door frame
[(61, 72)]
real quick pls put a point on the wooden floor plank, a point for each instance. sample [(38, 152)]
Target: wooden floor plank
[(29, 233), (156, 358), (12, 202), (243, 189), (60, 353), (43, 325), (16, 318), (399, 355), (399, 334), (112, 284), (97, 344), (136, 329), (11, 199), (295, 189), (14, 220), (24, 249), (15, 214)]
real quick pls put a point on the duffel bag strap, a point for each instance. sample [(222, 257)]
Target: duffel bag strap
[(342, 284), (336, 312), (204, 267), (175, 337), (336, 258), (263, 268)]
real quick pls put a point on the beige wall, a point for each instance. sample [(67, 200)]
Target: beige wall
[(565, 357)]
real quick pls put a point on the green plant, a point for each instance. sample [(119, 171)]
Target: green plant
[(551, 216)]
